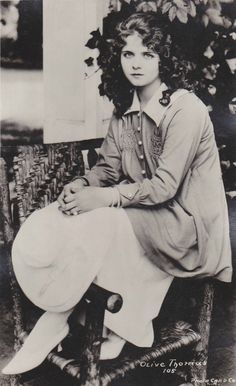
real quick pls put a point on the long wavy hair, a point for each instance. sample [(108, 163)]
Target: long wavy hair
[(174, 69)]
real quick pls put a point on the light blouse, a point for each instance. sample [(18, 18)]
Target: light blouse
[(165, 163)]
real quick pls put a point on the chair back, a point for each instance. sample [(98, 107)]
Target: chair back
[(40, 172)]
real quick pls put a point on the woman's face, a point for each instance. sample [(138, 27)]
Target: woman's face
[(140, 64)]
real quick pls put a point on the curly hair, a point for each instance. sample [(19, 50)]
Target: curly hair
[(174, 69)]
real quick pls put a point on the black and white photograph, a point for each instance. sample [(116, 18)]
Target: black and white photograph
[(118, 193)]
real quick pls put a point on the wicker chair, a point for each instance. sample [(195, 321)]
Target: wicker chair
[(40, 171)]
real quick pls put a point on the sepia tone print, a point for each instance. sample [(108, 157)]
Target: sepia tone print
[(117, 194)]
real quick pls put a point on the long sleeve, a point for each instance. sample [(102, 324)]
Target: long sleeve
[(180, 146), (107, 170)]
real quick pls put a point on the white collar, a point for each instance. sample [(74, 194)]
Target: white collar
[(154, 109)]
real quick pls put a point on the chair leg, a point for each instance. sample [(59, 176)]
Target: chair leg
[(198, 372), (8, 234), (15, 381), (90, 371), (19, 327)]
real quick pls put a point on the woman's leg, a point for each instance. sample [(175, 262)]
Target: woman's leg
[(77, 249), (55, 259), (112, 346), (143, 287)]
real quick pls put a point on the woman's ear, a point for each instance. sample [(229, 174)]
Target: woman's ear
[(168, 39), (166, 52), (167, 46)]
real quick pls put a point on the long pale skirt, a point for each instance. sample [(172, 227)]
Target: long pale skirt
[(56, 257)]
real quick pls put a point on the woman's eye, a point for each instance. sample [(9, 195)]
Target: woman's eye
[(127, 54), (148, 55)]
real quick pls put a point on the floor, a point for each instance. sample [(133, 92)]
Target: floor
[(222, 350)]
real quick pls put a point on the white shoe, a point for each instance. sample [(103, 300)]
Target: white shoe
[(48, 332), (25, 361), (112, 347)]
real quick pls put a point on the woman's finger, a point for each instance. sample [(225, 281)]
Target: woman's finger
[(68, 198), (69, 212), (74, 212), (69, 205), (60, 198)]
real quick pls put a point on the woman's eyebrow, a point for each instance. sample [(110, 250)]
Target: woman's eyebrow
[(125, 50), (149, 50)]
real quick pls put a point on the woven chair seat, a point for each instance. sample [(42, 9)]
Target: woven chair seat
[(172, 338)]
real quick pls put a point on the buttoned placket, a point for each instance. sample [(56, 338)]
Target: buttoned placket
[(140, 144)]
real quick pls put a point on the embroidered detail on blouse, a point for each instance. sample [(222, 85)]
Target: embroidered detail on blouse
[(156, 147), (128, 139)]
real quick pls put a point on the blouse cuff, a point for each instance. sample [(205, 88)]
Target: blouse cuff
[(92, 179), (129, 194), (84, 179)]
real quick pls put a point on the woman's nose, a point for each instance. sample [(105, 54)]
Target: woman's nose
[(136, 67)]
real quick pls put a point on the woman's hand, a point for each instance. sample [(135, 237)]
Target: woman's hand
[(87, 199), (72, 187)]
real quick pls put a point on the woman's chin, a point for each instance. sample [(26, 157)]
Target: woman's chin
[(138, 82)]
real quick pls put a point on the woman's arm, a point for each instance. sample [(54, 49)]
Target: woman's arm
[(180, 146), (97, 193), (107, 171)]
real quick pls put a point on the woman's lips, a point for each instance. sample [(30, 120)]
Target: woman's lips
[(136, 75)]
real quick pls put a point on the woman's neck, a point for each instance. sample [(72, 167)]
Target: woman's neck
[(145, 93)]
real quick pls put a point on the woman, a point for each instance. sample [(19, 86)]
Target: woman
[(153, 208)]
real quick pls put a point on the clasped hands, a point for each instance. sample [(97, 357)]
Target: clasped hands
[(76, 198)]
